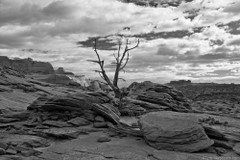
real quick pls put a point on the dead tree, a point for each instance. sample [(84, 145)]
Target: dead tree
[(121, 61)]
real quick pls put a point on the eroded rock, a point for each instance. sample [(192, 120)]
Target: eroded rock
[(104, 139), (107, 111), (162, 96), (78, 121), (162, 130), (62, 133)]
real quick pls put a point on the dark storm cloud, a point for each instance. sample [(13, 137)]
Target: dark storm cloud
[(222, 49), (165, 50), (11, 41), (235, 42), (24, 14), (209, 57)]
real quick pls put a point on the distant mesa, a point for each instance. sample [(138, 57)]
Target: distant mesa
[(61, 70), (27, 65), (180, 82), (44, 71)]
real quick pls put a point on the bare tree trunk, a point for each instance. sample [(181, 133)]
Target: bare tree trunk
[(121, 62)]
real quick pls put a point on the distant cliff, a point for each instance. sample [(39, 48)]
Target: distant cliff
[(61, 70), (27, 65), (180, 82)]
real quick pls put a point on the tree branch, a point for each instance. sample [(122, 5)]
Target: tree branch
[(126, 62), (119, 49), (134, 46), (101, 82), (122, 79)]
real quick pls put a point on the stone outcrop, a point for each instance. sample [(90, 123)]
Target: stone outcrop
[(162, 130), (27, 65), (213, 98), (61, 70), (180, 82), (58, 79), (90, 104), (162, 96)]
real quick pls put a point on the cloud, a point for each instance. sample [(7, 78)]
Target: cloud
[(235, 42), (233, 8), (165, 50)]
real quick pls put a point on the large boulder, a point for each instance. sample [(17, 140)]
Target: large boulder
[(161, 95), (163, 130)]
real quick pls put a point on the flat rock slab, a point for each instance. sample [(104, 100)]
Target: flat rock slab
[(56, 124), (8, 120), (78, 121), (25, 140), (163, 130), (86, 147), (63, 133)]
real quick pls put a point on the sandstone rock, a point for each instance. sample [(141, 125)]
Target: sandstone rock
[(32, 152), (99, 119), (236, 148), (62, 133), (104, 139), (24, 142), (5, 89), (79, 121), (56, 124), (160, 95), (74, 102), (89, 115), (11, 151), (27, 65), (162, 130), (8, 120), (107, 111), (2, 151), (3, 145), (222, 144), (61, 70), (18, 115), (100, 124), (57, 79), (131, 109)]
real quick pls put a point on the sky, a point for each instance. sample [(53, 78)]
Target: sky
[(197, 40)]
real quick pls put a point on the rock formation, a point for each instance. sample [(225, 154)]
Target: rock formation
[(214, 98), (163, 130), (180, 82), (43, 121), (27, 65), (150, 95), (61, 70), (57, 79)]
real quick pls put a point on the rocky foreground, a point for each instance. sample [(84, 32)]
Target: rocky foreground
[(42, 121)]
